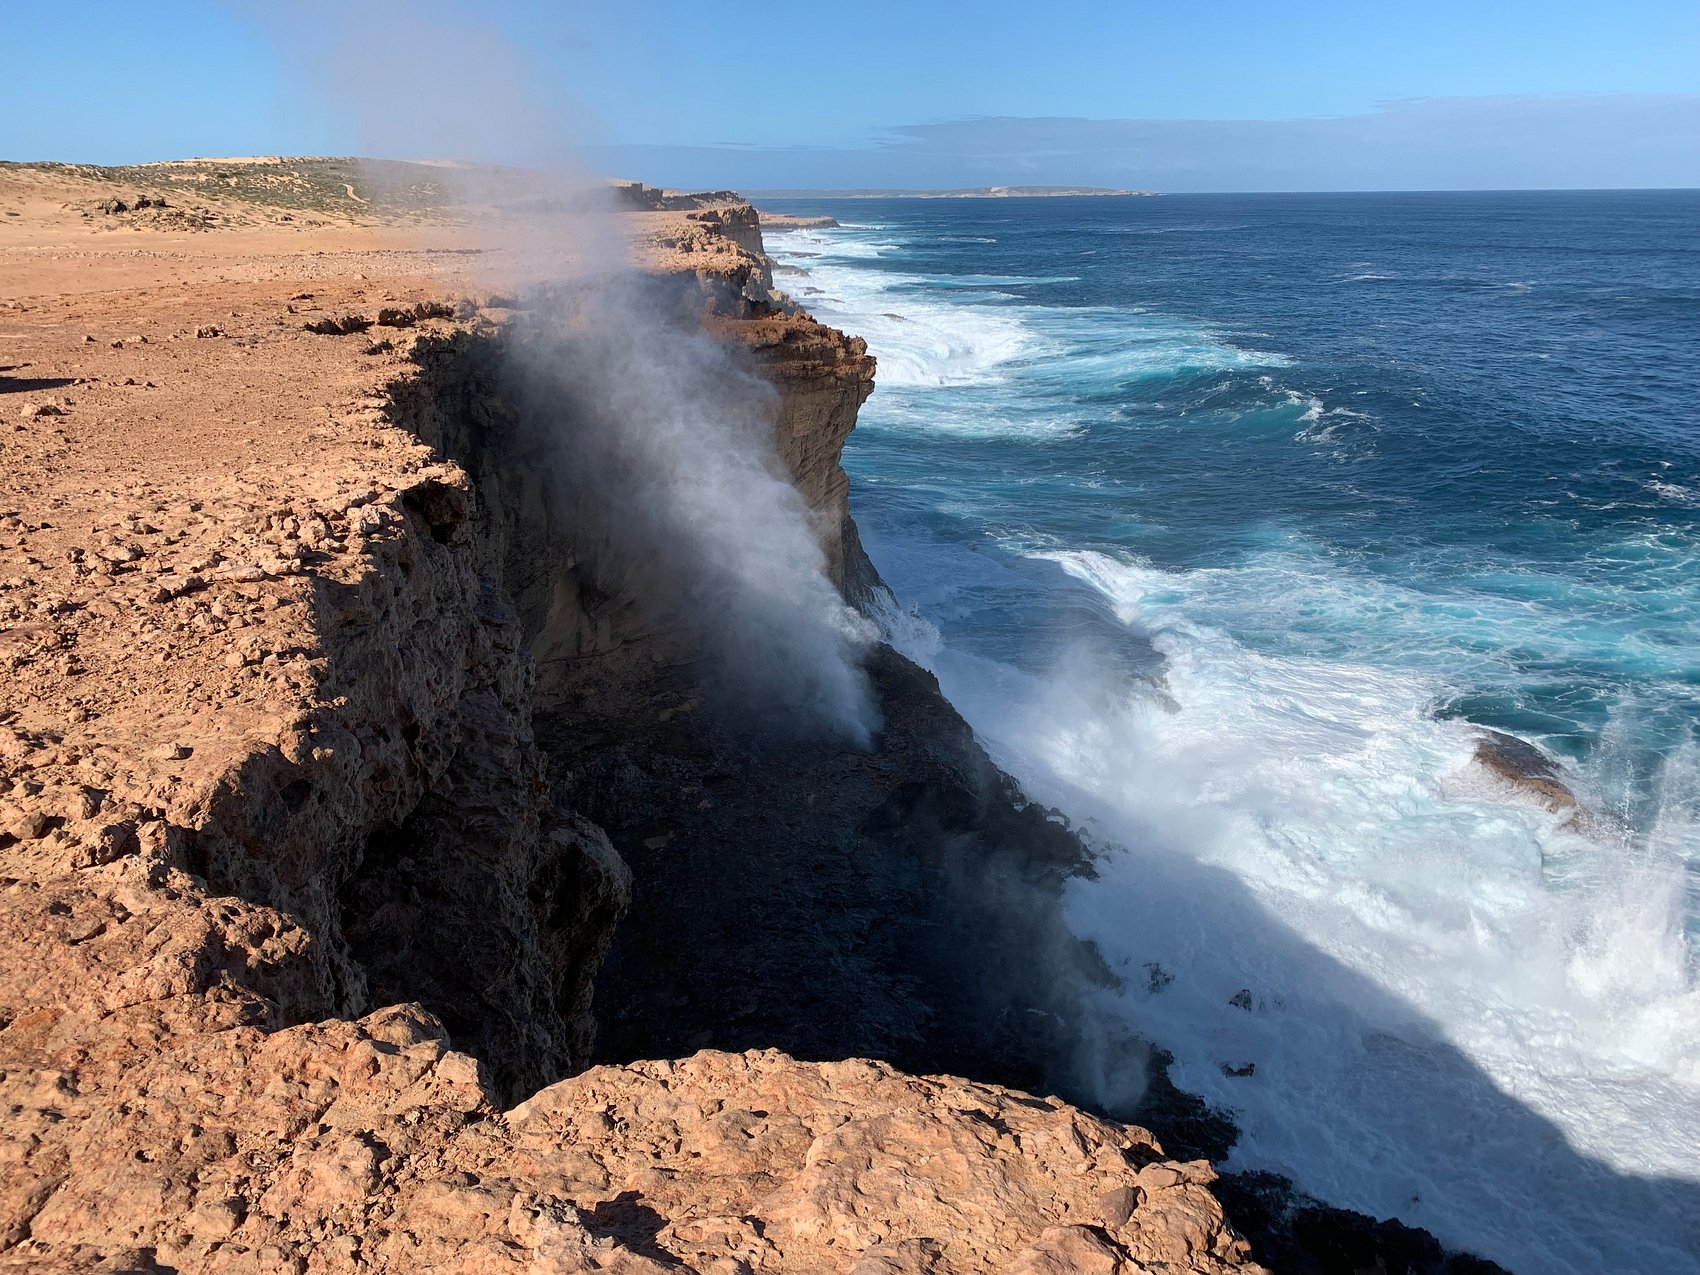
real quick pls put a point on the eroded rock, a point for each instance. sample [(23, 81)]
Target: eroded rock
[(1526, 767)]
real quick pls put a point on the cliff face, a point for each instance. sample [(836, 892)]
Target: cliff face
[(356, 816), (910, 886), (294, 903), (390, 729), (823, 378), (463, 402)]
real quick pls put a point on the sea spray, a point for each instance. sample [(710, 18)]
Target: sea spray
[(662, 445), (660, 437)]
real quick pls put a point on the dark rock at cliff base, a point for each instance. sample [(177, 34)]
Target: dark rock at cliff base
[(1295, 1235), (1525, 766), (898, 903)]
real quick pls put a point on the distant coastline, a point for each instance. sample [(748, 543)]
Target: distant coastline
[(786, 221), (968, 192)]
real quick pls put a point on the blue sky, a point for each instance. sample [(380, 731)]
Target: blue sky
[(1310, 94)]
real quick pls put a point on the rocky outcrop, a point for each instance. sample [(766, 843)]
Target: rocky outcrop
[(405, 826), (373, 1145), (823, 378), (390, 736), (852, 1166), (1526, 768), (715, 249), (642, 198), (464, 402), (388, 837)]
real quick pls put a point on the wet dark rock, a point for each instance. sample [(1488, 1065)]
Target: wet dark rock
[(1294, 1235), (1522, 764), (832, 903)]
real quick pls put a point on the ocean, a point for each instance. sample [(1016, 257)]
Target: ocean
[(1227, 521)]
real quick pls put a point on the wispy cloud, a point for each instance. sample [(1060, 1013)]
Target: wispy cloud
[(1604, 140)]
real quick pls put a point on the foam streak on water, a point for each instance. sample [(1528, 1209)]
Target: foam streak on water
[(1226, 527)]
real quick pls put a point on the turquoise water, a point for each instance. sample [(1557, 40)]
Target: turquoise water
[(1226, 520)]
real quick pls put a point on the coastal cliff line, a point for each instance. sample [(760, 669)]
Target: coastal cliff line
[(331, 768)]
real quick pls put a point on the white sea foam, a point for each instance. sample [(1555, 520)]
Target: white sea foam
[(1335, 427), (924, 337), (1441, 1030), (1674, 492), (917, 343)]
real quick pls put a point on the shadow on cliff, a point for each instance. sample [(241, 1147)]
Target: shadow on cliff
[(823, 900)]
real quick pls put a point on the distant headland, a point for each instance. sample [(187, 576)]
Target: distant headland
[(967, 192)]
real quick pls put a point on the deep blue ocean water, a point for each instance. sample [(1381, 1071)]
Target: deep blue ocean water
[(1227, 520)]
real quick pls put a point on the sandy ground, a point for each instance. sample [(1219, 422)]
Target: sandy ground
[(164, 416)]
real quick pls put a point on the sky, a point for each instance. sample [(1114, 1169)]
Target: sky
[(1231, 95)]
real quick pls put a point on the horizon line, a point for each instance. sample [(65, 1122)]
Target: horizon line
[(895, 192), (874, 192)]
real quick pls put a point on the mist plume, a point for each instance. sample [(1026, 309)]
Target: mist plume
[(666, 456), (661, 438)]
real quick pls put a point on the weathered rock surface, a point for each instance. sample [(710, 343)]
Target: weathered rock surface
[(373, 1145), (823, 378), (852, 1166)]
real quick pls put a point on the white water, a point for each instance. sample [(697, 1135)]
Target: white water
[(1463, 1013)]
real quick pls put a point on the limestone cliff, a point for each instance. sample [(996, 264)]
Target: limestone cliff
[(295, 903)]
